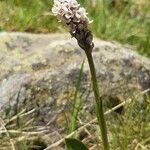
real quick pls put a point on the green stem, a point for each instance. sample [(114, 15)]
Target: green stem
[(99, 105)]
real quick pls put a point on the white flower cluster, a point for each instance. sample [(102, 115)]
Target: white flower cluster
[(70, 11)]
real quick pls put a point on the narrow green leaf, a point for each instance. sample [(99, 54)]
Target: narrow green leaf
[(74, 144), (76, 101)]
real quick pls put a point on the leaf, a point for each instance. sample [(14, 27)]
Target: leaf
[(74, 144), (76, 101)]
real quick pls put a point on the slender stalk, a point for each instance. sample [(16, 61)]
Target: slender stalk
[(98, 100), (79, 29)]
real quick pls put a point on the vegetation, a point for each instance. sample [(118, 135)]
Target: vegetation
[(129, 129), (118, 21)]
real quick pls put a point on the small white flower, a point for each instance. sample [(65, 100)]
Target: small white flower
[(70, 10)]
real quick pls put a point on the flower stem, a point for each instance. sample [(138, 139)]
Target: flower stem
[(98, 100)]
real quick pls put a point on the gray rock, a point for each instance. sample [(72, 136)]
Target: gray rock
[(40, 71)]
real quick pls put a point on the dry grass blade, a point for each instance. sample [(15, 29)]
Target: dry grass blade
[(7, 133), (20, 115), (22, 132), (140, 146), (146, 91)]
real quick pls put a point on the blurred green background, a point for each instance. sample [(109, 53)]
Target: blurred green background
[(126, 21)]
